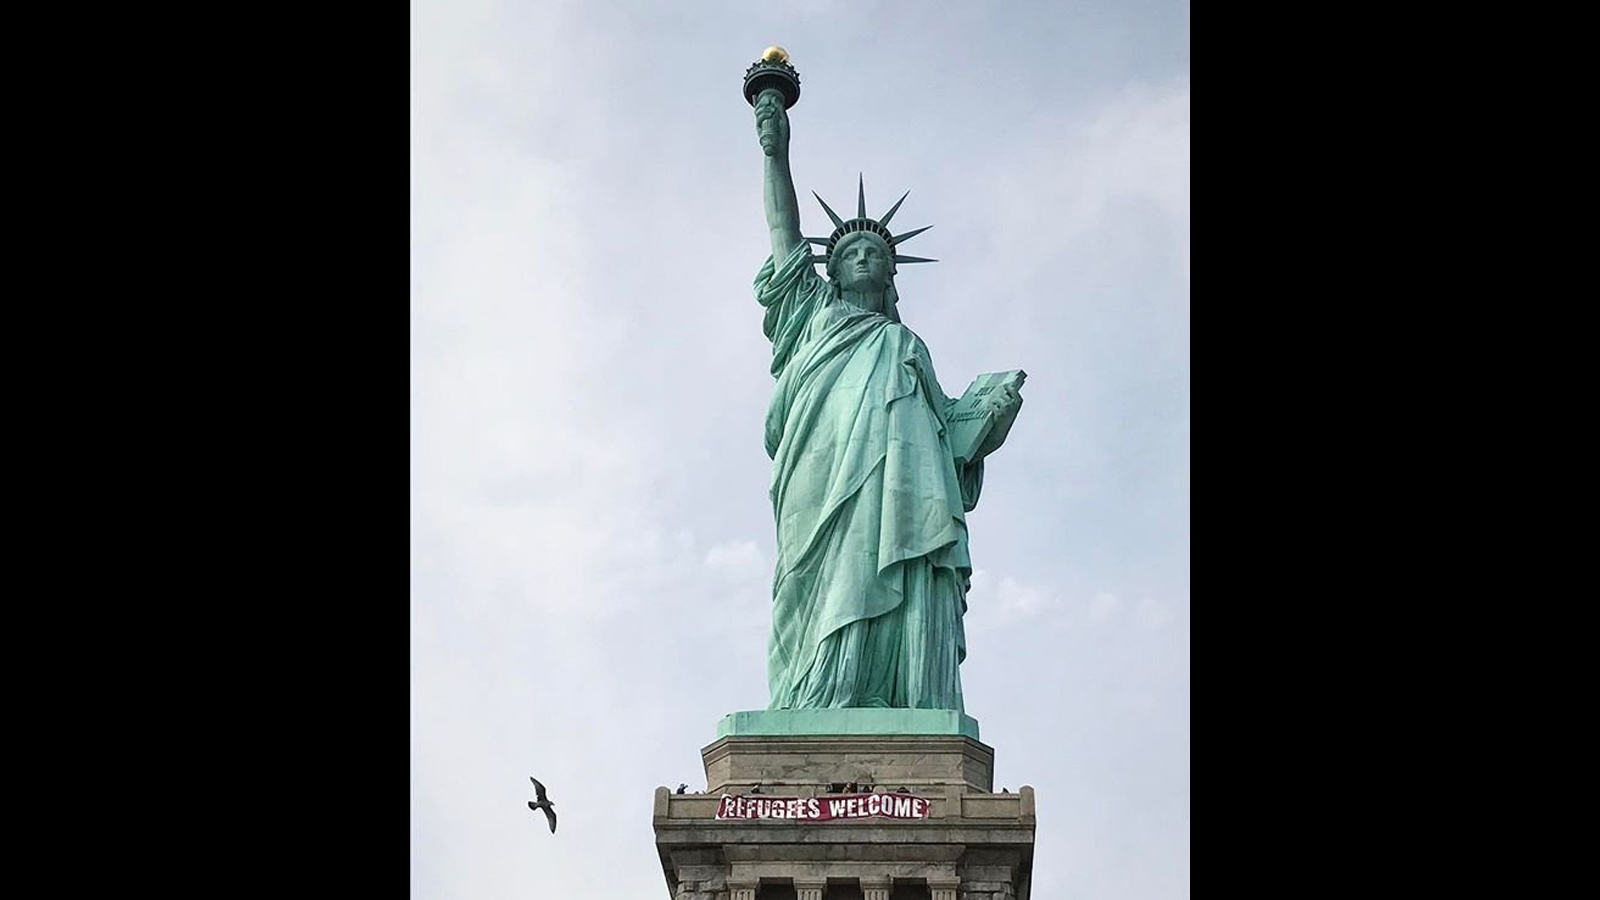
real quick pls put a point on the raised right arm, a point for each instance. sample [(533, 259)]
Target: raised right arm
[(783, 210)]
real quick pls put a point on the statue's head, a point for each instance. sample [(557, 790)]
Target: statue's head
[(862, 262), (861, 253)]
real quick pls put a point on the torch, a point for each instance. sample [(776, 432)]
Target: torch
[(772, 71)]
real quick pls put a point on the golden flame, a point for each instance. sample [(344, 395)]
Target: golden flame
[(775, 54)]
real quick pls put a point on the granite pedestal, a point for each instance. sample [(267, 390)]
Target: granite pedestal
[(974, 844)]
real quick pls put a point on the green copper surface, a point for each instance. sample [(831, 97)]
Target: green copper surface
[(777, 722), (869, 499)]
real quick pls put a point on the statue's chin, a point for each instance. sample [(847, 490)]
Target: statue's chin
[(871, 301)]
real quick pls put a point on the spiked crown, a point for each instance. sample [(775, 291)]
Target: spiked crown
[(864, 222)]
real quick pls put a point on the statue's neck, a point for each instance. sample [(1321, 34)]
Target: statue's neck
[(871, 301)]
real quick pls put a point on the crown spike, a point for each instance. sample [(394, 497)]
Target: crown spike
[(826, 208), (816, 240), (890, 214), (912, 259), (901, 238), (861, 196)]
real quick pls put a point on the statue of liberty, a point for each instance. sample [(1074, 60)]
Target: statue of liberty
[(869, 492)]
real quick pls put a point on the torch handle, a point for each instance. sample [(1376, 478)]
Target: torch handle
[(769, 125)]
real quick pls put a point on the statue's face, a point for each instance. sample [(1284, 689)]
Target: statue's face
[(862, 263)]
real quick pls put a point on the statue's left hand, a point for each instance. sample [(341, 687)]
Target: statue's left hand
[(1005, 403)]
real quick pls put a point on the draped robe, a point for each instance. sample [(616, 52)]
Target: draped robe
[(872, 573)]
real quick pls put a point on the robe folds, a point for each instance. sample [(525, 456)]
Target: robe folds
[(873, 569)]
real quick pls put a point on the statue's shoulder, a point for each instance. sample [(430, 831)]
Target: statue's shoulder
[(915, 339)]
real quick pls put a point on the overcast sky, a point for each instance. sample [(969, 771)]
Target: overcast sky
[(592, 542)]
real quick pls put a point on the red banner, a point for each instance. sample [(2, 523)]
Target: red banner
[(823, 808)]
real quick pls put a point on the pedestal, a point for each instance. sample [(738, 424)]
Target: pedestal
[(973, 845)]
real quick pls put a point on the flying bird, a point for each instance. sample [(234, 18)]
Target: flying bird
[(544, 803)]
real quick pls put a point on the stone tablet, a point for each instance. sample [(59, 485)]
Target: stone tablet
[(971, 417)]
